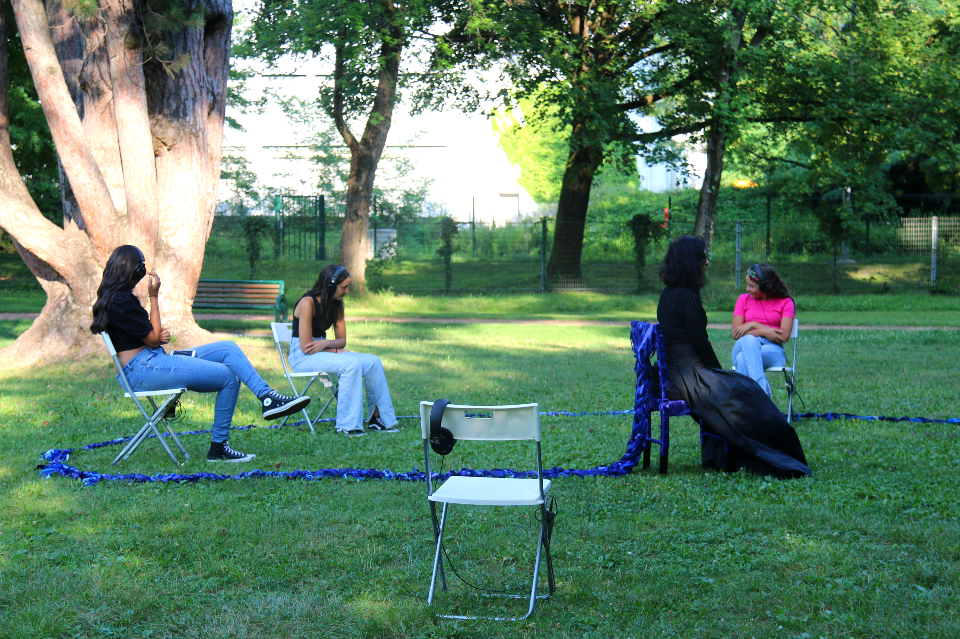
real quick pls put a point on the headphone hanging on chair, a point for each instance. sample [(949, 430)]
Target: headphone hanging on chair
[(758, 278), (141, 270), (332, 283), (442, 440)]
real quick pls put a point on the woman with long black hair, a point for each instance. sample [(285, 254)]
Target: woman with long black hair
[(139, 336), (755, 435), (319, 310)]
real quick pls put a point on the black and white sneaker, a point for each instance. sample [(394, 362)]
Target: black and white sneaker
[(276, 405), (376, 425), (221, 452)]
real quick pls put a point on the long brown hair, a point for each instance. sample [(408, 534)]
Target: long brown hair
[(118, 277), (776, 289), (323, 289)]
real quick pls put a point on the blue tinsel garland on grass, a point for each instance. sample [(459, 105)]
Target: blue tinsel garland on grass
[(57, 458)]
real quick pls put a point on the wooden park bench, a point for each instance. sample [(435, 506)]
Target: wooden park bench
[(243, 294)]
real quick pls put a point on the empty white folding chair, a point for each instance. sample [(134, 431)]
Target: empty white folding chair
[(789, 372), (492, 424), (282, 332), (170, 395)]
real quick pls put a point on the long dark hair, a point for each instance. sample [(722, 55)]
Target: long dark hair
[(776, 289), (331, 309), (118, 277), (683, 263)]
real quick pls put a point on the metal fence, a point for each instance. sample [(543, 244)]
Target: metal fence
[(899, 255)]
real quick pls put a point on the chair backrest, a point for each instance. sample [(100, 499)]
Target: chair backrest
[(486, 423), (795, 335), (124, 384), (282, 332)]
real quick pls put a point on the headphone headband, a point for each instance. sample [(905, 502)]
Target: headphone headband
[(756, 274), (141, 269), (332, 284), (442, 440)]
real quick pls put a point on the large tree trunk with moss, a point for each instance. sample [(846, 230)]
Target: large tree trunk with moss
[(139, 144)]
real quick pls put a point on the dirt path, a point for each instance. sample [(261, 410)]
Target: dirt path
[(531, 322)]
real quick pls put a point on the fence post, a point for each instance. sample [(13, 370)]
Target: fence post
[(543, 254), (277, 225), (473, 225), (933, 253), (736, 277), (867, 252), (376, 234), (836, 290), (322, 226), (768, 226)]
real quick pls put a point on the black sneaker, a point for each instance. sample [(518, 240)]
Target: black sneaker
[(376, 424), (221, 452), (276, 405)]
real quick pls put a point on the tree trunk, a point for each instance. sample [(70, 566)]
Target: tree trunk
[(365, 153), (717, 140), (563, 267), (710, 190), (139, 150)]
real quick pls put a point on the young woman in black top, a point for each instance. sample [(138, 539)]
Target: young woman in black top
[(139, 337), (733, 406), (319, 310)]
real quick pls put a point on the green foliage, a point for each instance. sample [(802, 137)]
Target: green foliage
[(254, 229), (645, 230), (448, 231)]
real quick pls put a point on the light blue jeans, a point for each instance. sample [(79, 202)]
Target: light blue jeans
[(357, 372), (751, 354), (218, 368)]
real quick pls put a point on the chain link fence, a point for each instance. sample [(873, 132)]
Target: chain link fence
[(892, 254)]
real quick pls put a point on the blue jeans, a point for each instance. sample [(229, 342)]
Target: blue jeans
[(751, 354), (218, 368), (357, 372)]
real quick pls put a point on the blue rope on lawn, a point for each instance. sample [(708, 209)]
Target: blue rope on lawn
[(57, 458)]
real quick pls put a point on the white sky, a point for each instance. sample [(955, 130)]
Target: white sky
[(469, 169)]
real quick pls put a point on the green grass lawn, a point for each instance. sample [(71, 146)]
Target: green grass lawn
[(870, 310), (868, 547)]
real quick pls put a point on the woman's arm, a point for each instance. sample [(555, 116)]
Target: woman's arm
[(783, 336), (158, 335), (303, 313)]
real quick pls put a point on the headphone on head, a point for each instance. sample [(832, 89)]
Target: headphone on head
[(141, 270), (442, 440), (757, 276), (332, 283)]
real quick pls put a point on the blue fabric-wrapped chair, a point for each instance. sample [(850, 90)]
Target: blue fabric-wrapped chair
[(652, 387)]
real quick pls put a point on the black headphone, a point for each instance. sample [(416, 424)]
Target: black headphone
[(442, 440), (332, 284), (761, 283), (141, 271)]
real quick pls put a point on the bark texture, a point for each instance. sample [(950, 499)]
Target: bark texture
[(139, 148)]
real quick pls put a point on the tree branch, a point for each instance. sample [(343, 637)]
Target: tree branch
[(338, 118), (84, 174), (19, 214), (668, 133), (133, 128)]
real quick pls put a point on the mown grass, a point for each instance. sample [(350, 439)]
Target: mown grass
[(871, 310), (869, 547)]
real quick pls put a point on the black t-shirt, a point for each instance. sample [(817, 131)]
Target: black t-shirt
[(129, 322)]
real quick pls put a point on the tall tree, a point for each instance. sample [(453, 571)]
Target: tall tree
[(134, 95), (367, 42), (593, 65)]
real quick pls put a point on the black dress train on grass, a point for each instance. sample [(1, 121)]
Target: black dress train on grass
[(729, 404)]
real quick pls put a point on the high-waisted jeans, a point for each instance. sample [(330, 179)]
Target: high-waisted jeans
[(218, 368), (356, 372), (751, 354)]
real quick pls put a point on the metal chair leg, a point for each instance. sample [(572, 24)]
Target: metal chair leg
[(436, 558)]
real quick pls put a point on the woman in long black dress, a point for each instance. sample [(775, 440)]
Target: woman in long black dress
[(756, 436)]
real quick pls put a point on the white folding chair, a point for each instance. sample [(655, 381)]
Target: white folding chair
[(159, 412), (489, 423), (282, 332), (789, 372)]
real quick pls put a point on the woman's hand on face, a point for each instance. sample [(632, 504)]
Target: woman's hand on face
[(164, 336), (153, 284)]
